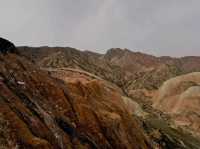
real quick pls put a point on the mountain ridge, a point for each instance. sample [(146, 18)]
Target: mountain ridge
[(101, 93)]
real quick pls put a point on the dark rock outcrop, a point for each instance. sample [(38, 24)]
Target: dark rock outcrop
[(6, 46)]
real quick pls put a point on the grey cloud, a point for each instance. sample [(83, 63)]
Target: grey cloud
[(153, 26)]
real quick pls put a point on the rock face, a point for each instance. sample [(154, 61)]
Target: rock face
[(6, 46), (39, 110), (180, 97)]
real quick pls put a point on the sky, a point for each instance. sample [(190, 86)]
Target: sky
[(158, 27)]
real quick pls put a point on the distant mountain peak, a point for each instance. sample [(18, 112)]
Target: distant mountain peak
[(117, 51)]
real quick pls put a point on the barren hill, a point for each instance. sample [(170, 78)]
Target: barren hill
[(129, 70), (40, 111), (93, 81)]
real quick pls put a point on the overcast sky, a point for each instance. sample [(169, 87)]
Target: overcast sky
[(159, 27)]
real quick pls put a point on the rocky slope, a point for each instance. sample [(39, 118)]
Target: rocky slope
[(69, 98), (132, 74), (160, 133), (73, 58), (41, 110)]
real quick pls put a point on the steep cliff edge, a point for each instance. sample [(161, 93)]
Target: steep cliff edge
[(39, 111)]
